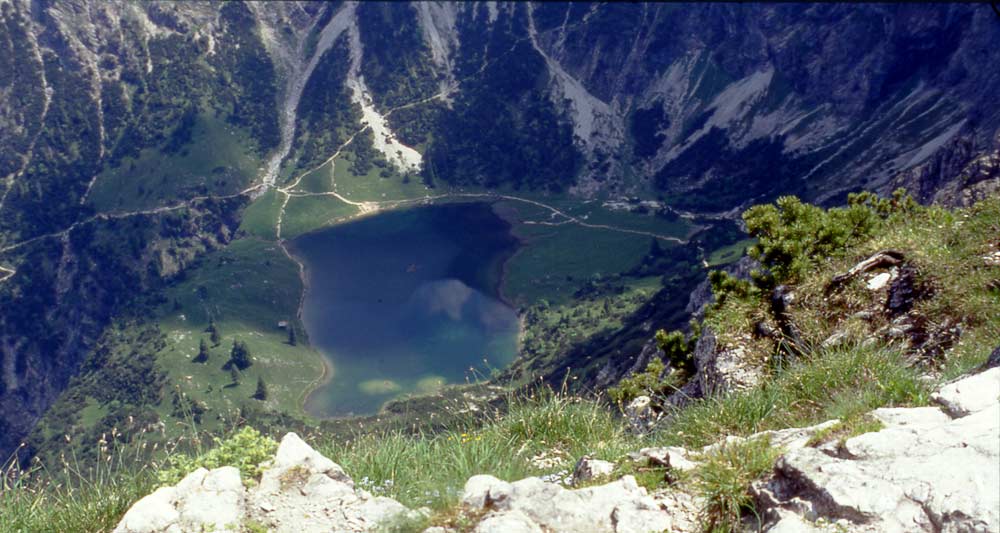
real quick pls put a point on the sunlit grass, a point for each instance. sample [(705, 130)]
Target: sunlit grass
[(843, 383), (539, 435)]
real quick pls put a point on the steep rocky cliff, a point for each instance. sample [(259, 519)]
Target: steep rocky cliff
[(708, 106)]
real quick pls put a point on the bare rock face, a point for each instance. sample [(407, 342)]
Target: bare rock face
[(786, 439), (672, 457), (300, 492), (927, 470), (964, 171), (641, 415), (210, 501), (304, 492), (723, 368), (588, 468), (970, 394), (509, 522), (534, 505)]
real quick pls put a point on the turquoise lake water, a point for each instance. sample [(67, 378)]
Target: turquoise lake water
[(405, 301)]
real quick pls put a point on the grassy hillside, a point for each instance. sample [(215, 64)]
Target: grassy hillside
[(211, 157), (245, 291)]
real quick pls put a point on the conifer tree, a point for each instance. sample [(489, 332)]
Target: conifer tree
[(214, 332), (202, 356), (261, 393), (239, 356)]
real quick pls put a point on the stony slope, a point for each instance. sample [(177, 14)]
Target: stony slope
[(928, 469)]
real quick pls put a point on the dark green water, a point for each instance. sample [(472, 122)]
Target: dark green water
[(405, 301)]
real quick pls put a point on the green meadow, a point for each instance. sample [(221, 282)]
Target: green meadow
[(245, 289), (308, 213), (216, 162), (378, 184)]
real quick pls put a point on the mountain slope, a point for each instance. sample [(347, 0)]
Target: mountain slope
[(134, 134)]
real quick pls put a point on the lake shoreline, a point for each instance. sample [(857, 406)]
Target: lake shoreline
[(326, 375), (501, 282), (491, 261), (326, 372)]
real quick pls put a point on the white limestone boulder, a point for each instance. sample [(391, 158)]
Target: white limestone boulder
[(614, 507), (304, 492), (970, 394), (924, 471), (204, 501)]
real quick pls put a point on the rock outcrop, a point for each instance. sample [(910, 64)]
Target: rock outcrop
[(300, 492), (205, 500), (928, 469), (534, 505), (932, 469), (723, 367)]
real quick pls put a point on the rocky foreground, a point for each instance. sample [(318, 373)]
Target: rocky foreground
[(934, 469)]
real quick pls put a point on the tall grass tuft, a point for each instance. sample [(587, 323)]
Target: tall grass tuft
[(76, 496), (724, 478), (842, 382)]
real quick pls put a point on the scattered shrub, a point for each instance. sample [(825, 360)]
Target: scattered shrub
[(246, 450), (793, 236), (656, 380)]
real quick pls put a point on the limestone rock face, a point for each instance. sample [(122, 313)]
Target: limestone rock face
[(588, 468), (672, 457), (304, 492), (534, 505), (211, 497), (301, 491), (927, 470), (204, 500), (509, 522), (787, 439), (723, 368), (154, 513), (640, 414), (970, 395)]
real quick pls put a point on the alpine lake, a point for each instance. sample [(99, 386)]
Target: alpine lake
[(405, 302)]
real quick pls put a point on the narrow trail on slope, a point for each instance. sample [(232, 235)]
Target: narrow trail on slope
[(287, 193), (7, 272)]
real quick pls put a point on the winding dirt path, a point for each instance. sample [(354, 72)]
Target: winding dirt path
[(301, 73)]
